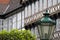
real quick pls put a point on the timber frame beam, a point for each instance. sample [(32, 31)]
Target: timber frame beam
[(19, 9)]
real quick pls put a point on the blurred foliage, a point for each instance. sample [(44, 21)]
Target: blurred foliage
[(17, 35)]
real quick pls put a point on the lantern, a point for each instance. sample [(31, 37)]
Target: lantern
[(46, 27)]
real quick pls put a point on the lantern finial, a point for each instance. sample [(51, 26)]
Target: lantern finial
[(46, 11)]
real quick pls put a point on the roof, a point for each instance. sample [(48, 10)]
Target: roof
[(8, 5)]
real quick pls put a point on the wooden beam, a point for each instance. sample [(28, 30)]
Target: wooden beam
[(19, 9)]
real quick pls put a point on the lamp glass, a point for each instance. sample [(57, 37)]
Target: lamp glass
[(46, 30)]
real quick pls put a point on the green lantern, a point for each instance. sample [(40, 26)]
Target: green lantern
[(46, 27)]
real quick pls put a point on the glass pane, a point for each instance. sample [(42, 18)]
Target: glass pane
[(45, 29), (51, 30)]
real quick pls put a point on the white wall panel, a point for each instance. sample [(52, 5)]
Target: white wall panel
[(54, 2), (36, 6), (58, 1), (26, 12), (57, 24), (45, 4), (14, 21), (32, 8), (50, 3), (0, 24), (41, 7), (29, 11)]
